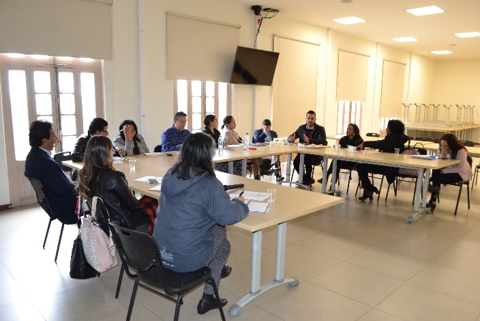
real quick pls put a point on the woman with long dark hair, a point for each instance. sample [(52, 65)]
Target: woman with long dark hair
[(211, 123), (129, 142), (395, 139), (449, 148), (193, 208), (99, 178)]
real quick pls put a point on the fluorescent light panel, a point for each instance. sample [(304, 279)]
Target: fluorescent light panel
[(441, 52), (425, 11), (349, 20), (405, 39), (468, 34)]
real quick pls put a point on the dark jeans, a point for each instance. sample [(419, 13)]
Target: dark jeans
[(439, 178), (310, 161)]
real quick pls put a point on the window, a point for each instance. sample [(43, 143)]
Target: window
[(348, 112), (199, 98), (62, 90)]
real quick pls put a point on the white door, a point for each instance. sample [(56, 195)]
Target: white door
[(66, 92)]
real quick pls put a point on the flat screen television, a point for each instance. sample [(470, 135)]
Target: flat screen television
[(254, 67)]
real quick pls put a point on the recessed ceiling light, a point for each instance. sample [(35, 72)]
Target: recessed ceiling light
[(15, 55), (39, 56), (441, 52), (425, 11), (349, 20), (65, 58), (405, 39), (468, 34)]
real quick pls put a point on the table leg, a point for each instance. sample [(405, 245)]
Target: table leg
[(230, 167), (300, 168), (426, 183), (418, 190), (255, 288), (244, 167), (334, 179), (288, 168)]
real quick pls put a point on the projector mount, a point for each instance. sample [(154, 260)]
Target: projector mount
[(260, 14)]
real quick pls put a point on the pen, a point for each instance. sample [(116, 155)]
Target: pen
[(241, 194)]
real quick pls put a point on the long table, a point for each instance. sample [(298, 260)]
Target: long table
[(385, 159), (290, 203)]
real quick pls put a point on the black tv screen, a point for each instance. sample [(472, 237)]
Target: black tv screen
[(254, 67)]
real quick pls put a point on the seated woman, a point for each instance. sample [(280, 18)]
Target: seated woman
[(193, 206), (395, 139), (231, 137), (210, 128), (352, 138), (99, 178), (128, 142), (449, 148)]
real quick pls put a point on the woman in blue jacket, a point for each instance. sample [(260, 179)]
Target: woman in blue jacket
[(193, 208)]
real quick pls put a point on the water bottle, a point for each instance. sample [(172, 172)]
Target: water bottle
[(220, 146), (247, 140)]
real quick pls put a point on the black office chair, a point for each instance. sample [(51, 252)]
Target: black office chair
[(373, 135), (42, 199), (460, 185), (475, 175), (424, 139), (157, 149), (140, 251), (63, 156), (313, 172)]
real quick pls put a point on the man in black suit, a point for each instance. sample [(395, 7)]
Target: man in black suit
[(310, 133), (39, 164)]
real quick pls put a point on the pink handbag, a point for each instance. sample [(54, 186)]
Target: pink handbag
[(98, 247)]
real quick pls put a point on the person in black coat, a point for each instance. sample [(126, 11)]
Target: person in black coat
[(352, 138), (99, 178), (395, 139), (40, 165), (211, 124), (310, 133)]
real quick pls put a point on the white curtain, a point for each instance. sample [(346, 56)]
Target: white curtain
[(198, 49), (392, 89), (294, 84), (76, 28), (352, 76)]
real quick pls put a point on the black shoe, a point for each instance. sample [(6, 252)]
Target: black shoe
[(257, 178), (226, 271), (320, 180), (308, 181), (366, 194), (432, 205), (203, 307)]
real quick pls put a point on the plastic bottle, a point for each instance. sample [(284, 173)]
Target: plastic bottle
[(220, 146), (247, 140)]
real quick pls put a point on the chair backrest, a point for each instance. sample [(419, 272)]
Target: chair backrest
[(470, 161), (42, 198), (468, 143), (424, 138), (63, 156), (436, 140), (157, 149), (140, 251), (373, 134)]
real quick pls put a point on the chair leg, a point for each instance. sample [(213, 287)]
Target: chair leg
[(380, 189), (219, 301), (458, 199), (59, 241), (349, 179), (132, 299), (119, 283), (177, 307), (388, 190), (46, 234), (468, 194)]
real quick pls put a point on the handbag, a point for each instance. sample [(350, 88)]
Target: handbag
[(98, 247), (79, 267)]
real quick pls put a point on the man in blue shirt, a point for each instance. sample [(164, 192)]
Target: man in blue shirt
[(173, 137), (264, 134)]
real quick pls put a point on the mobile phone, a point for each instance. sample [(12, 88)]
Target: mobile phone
[(152, 181), (169, 154)]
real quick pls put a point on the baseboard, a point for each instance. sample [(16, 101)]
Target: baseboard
[(5, 207)]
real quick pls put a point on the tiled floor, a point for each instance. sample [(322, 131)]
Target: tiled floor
[(357, 261)]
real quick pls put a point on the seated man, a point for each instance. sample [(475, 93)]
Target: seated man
[(39, 164), (262, 135), (310, 133), (98, 127), (173, 137)]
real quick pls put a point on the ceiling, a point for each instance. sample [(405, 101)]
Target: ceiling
[(387, 19)]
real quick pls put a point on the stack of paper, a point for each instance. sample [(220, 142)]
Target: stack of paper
[(248, 195), (258, 207)]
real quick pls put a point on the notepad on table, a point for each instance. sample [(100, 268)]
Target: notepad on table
[(248, 195), (428, 157), (258, 207)]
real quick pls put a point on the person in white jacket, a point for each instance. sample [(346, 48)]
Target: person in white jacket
[(449, 148)]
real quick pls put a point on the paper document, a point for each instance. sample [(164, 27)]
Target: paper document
[(313, 146), (248, 195), (147, 179), (117, 160), (258, 207), (154, 154), (156, 188), (429, 157)]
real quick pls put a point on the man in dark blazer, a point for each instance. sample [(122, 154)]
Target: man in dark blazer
[(39, 164), (264, 134), (310, 133)]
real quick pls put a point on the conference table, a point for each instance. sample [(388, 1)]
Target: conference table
[(385, 159), (290, 203), (463, 132)]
